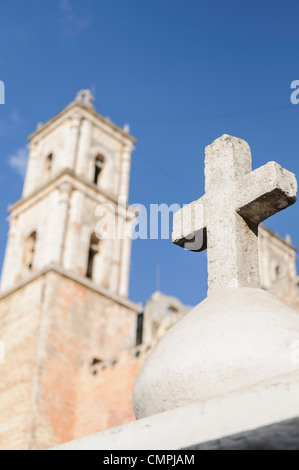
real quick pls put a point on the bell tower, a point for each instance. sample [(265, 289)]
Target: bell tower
[(77, 161), (64, 287)]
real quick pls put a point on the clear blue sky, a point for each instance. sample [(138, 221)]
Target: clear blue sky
[(182, 73)]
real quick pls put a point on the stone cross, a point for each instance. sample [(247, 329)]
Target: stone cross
[(225, 220), (85, 96)]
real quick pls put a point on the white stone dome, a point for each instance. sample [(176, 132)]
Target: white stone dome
[(234, 341)]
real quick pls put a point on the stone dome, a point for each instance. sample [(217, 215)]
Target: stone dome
[(234, 341)]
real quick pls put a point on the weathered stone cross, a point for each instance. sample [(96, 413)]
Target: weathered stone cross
[(85, 96), (225, 220)]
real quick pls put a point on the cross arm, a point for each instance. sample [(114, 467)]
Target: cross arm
[(189, 226), (265, 191)]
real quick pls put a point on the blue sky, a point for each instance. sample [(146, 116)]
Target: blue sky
[(182, 73)]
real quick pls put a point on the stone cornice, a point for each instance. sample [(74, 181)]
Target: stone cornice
[(86, 109), (91, 190), (138, 308)]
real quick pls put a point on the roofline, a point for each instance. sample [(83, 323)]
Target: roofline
[(276, 235), (86, 107), (138, 308)]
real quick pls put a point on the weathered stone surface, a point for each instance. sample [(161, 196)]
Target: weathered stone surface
[(225, 220), (54, 328)]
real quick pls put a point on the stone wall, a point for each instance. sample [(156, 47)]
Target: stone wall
[(20, 318), (277, 260), (54, 329), (111, 382)]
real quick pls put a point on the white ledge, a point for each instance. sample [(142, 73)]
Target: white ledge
[(200, 422)]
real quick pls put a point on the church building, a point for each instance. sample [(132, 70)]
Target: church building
[(73, 339)]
